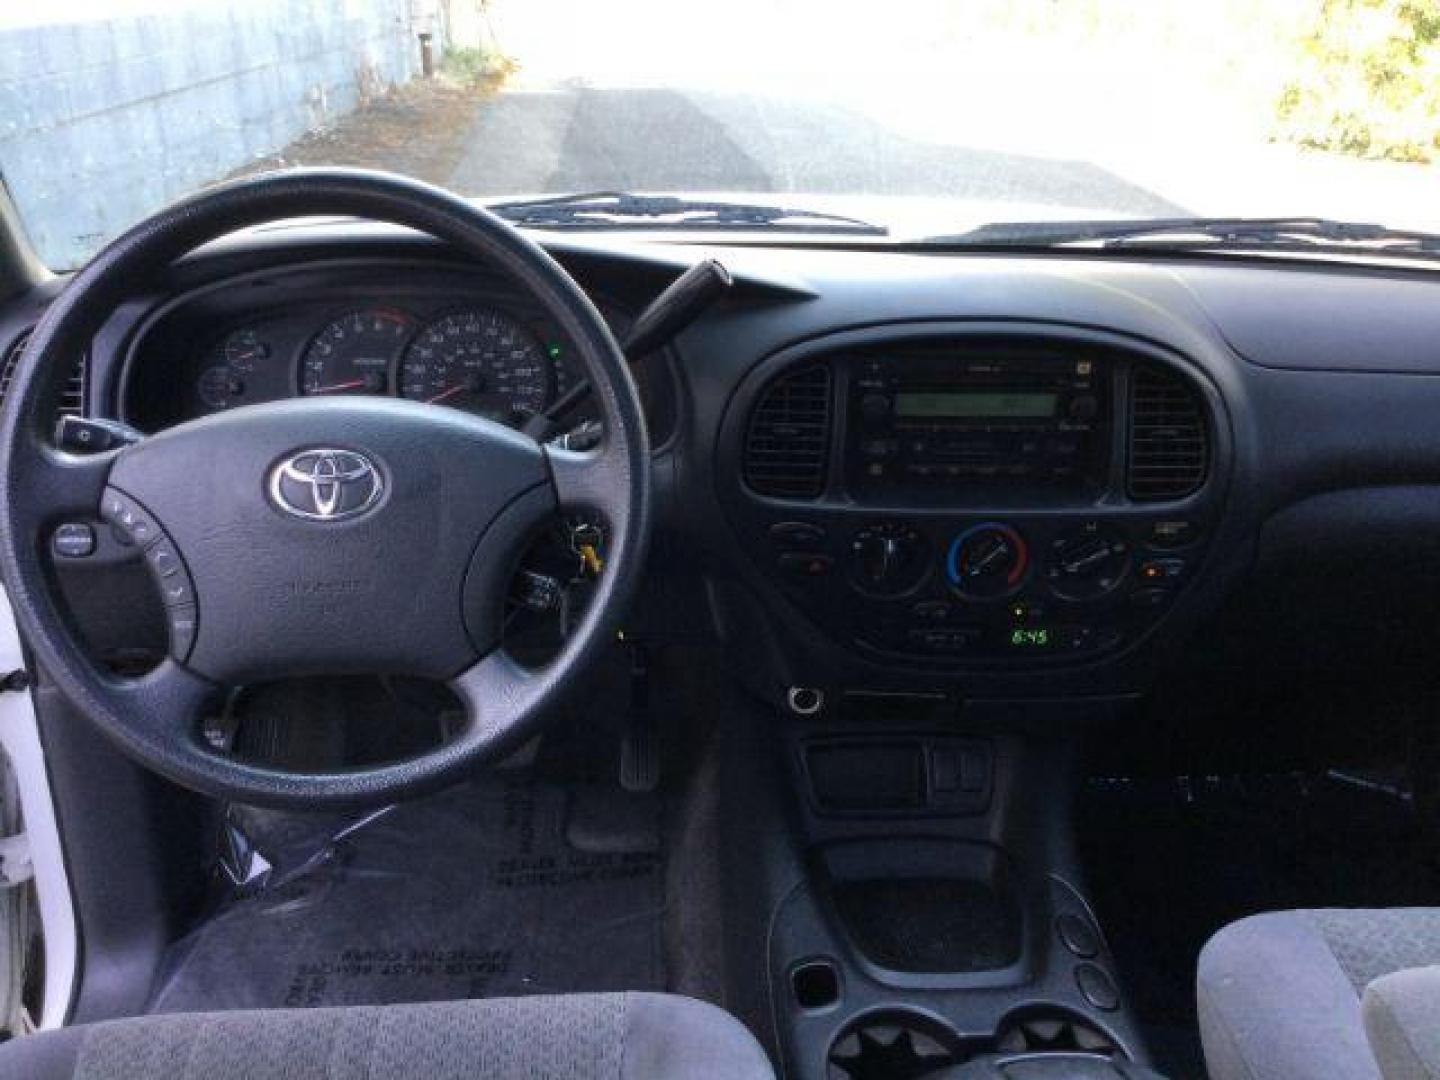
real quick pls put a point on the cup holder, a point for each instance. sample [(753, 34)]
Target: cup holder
[(901, 1045), (892, 1045), (1052, 1031)]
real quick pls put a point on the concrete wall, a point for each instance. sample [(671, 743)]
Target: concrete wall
[(104, 120)]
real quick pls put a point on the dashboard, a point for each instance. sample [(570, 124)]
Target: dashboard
[(998, 478)]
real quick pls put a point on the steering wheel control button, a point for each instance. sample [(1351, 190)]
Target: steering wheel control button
[(131, 524), (1097, 988), (1077, 935), (162, 558), (325, 484), (182, 622), (74, 540), (164, 563)]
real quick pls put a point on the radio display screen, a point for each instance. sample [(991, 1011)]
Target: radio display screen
[(975, 404)]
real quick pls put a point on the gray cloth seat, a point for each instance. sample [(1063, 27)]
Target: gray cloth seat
[(1279, 995), (571, 1037), (1402, 1021)]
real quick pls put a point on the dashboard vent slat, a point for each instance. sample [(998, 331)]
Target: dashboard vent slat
[(787, 442), (1169, 439), (72, 398)]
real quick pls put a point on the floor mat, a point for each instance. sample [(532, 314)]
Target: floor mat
[(471, 893), (1171, 861)]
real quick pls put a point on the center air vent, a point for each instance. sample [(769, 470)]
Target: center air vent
[(72, 398), (788, 440), (1169, 440)]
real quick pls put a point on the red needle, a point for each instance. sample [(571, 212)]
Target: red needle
[(445, 394), (351, 385)]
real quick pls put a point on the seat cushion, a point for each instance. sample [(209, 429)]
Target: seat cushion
[(571, 1037), (1402, 1021), (1279, 994)]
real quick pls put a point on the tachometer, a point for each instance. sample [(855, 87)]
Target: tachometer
[(354, 353), (480, 360)]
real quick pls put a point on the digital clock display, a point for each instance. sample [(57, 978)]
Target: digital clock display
[(1031, 637)]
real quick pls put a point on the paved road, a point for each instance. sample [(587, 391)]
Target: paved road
[(588, 138)]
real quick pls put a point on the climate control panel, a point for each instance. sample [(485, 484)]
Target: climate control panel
[(1024, 588)]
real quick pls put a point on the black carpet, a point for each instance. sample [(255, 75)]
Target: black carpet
[(471, 893)]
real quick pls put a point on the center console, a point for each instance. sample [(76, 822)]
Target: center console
[(975, 498)]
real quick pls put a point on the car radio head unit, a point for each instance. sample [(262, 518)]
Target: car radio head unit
[(924, 418)]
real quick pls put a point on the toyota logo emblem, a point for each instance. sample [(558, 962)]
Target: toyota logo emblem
[(326, 484)]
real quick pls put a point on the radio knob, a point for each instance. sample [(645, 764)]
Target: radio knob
[(887, 560), (987, 561), (1084, 407), (875, 408)]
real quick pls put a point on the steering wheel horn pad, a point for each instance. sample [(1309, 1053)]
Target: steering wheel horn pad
[(277, 592), (321, 535)]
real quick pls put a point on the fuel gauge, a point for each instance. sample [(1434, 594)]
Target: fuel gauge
[(225, 381)]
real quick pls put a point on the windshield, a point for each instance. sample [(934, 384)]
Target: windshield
[(921, 118)]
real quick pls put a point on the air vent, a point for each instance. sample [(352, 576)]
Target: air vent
[(72, 398), (788, 440), (1169, 442)]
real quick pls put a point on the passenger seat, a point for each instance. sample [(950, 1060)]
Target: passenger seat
[(1345, 994)]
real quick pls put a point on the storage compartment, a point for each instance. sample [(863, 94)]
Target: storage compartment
[(900, 775), (925, 906)]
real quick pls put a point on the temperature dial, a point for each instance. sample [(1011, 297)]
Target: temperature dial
[(1087, 564), (987, 561), (887, 560)]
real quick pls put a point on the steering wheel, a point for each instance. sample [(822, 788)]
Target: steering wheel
[(319, 536)]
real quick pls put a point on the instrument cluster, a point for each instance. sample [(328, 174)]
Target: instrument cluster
[(478, 358), (425, 332)]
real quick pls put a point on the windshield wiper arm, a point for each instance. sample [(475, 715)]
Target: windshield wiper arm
[(1286, 234), (618, 209)]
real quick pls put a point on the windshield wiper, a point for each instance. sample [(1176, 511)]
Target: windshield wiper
[(1203, 234), (618, 209)]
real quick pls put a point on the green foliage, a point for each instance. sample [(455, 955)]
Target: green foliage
[(1368, 81), (475, 66)]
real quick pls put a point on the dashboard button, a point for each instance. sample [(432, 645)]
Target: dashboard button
[(1157, 570), (1077, 935), (810, 566), (1173, 534), (950, 640), (931, 610), (1097, 988), (797, 535), (875, 408), (1149, 598)]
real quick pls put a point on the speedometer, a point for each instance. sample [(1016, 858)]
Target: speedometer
[(479, 360)]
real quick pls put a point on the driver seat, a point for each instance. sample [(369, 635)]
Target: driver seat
[(572, 1037)]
